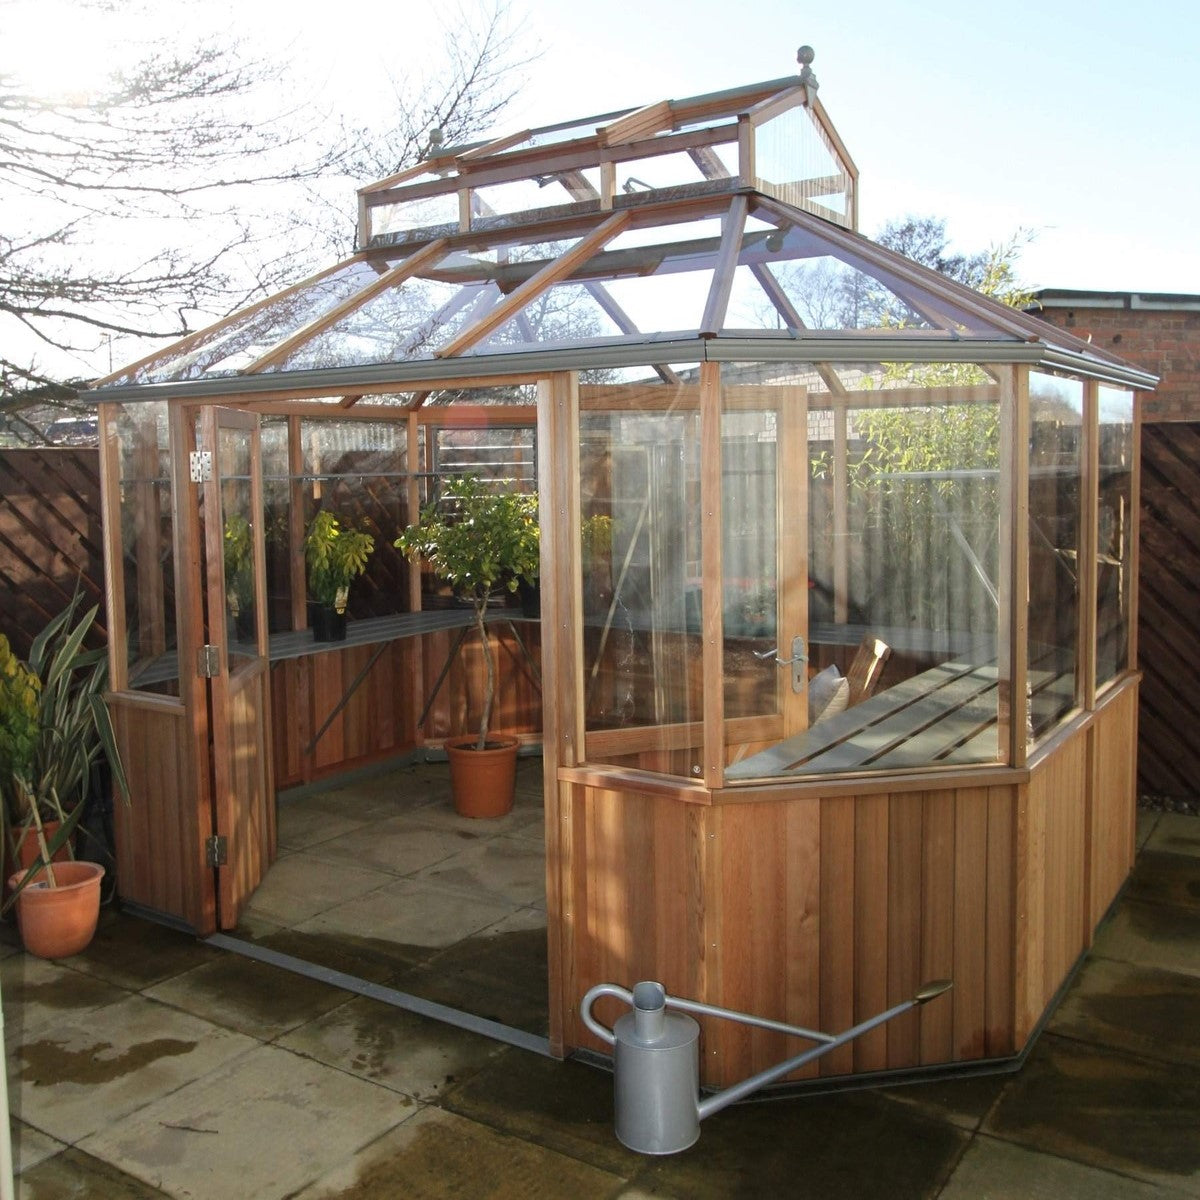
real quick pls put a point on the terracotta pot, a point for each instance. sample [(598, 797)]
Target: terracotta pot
[(483, 782), (56, 922), (28, 852)]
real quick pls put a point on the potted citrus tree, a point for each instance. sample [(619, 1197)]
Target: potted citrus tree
[(481, 542), (54, 730), (334, 556), (239, 575)]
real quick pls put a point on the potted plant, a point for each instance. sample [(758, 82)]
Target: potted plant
[(239, 575), (480, 542), (54, 730), (334, 556)]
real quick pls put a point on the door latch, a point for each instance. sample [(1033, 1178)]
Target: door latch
[(798, 662)]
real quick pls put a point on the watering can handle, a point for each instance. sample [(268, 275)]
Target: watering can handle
[(585, 1008)]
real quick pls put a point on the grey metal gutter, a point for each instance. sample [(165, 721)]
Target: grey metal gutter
[(771, 349)]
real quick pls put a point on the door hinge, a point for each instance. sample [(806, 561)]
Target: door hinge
[(216, 850), (200, 466), (208, 664)]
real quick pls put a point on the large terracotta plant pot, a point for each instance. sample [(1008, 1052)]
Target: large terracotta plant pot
[(56, 922), (483, 782)]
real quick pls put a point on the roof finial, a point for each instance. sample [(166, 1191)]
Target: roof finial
[(808, 80), (435, 142)]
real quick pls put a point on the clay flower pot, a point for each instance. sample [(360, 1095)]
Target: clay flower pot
[(56, 922), (483, 782)]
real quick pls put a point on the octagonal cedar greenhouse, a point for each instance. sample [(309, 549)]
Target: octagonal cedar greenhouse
[(755, 437)]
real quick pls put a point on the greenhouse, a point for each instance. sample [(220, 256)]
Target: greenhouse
[(833, 677)]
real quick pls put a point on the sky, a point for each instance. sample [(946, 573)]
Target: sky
[(1076, 123)]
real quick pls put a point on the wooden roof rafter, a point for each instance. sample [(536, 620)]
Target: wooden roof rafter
[(551, 273), (726, 263), (397, 275)]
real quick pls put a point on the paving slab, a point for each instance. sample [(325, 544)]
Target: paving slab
[(498, 973), (1147, 819), (564, 1106), (506, 869), (31, 1146), (74, 1175), (37, 992), (135, 953), (1142, 1010), (301, 885), (93, 1069), (386, 1045), (1176, 833), (397, 847), (1106, 1109), (250, 997), (1151, 935), (963, 1102), (438, 1155), (301, 825), (263, 1126), (1001, 1171), (1162, 878), (412, 917), (847, 1146)]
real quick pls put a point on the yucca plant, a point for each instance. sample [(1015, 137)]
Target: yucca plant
[(54, 729)]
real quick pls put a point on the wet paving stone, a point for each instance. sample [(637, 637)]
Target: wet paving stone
[(134, 953), (1152, 1013), (400, 1050), (74, 1175), (1176, 833), (1001, 1171), (1160, 878), (1151, 935), (436, 1155), (1107, 1109), (564, 1106), (843, 1146), (500, 976), (249, 997), (963, 1102)]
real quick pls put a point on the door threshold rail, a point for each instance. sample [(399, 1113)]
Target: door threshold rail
[(483, 1026)]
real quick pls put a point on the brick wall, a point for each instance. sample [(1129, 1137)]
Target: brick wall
[(1161, 339)]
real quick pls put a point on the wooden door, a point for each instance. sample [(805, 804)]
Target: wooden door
[(232, 576)]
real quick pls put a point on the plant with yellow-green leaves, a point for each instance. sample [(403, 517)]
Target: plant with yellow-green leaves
[(334, 557), (54, 729)]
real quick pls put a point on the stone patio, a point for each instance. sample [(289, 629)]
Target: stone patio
[(154, 1065)]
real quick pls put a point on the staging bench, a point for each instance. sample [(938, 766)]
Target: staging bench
[(371, 631), (945, 715)]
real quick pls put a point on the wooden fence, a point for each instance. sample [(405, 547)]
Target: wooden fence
[(50, 538), (1169, 610)]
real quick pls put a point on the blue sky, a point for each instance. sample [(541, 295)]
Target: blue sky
[(1077, 121)]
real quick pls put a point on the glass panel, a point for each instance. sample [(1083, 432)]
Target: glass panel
[(640, 489), (147, 548), (1113, 593), (541, 191), (1055, 516), (234, 450), (358, 470), (418, 317), (793, 158), (884, 524), (426, 212), (235, 346)]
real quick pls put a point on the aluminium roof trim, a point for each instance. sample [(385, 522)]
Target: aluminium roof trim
[(867, 348)]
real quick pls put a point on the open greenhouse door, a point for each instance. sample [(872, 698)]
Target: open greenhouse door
[(232, 576)]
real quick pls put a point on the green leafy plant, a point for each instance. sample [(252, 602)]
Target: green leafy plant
[(239, 563), (334, 557), (478, 541), (54, 728)]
